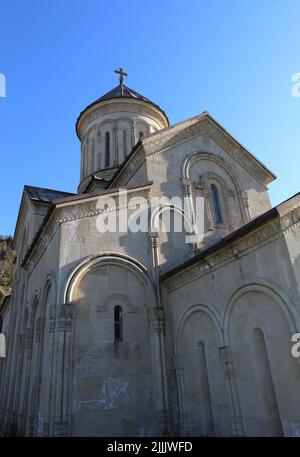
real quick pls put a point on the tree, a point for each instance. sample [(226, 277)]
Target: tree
[(7, 261)]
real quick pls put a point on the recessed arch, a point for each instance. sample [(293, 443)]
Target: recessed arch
[(201, 155), (49, 282), (259, 320), (176, 209), (106, 258), (114, 338), (268, 288), (194, 157), (211, 311), (197, 341)]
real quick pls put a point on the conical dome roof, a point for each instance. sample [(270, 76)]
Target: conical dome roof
[(122, 91)]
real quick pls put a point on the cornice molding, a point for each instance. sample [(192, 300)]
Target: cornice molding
[(113, 106), (171, 137), (236, 249), (79, 211)]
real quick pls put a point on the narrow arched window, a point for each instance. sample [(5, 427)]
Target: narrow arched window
[(107, 149), (141, 134), (216, 203), (118, 323)]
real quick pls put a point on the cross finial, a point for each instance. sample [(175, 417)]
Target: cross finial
[(122, 74)]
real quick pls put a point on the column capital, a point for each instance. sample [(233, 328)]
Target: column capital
[(153, 239)]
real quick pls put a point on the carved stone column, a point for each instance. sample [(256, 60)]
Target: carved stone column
[(115, 147), (189, 203), (86, 158), (99, 161), (157, 332), (29, 336), (153, 245), (11, 367), (25, 348), (62, 413), (246, 206)]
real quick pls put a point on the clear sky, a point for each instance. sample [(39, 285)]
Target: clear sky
[(233, 58)]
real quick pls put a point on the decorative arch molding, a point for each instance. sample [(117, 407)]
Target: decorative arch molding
[(97, 129), (211, 311), (124, 119), (36, 298), (109, 120), (211, 175), (240, 193), (214, 315), (196, 156), (49, 282), (137, 268), (176, 209), (117, 299), (268, 288), (49, 285), (65, 348)]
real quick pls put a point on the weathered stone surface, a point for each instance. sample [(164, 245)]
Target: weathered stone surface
[(143, 334)]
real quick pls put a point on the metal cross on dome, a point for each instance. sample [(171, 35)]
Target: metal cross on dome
[(121, 72)]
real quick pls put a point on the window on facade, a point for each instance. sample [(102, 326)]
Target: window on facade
[(118, 323), (216, 203), (1, 323), (107, 149), (141, 134)]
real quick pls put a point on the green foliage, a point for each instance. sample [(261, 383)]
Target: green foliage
[(7, 260)]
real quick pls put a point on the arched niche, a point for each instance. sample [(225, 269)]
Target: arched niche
[(112, 378), (200, 374), (199, 171), (258, 325)]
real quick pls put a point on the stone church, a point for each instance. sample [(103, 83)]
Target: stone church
[(143, 334)]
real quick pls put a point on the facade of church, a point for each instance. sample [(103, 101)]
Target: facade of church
[(123, 333)]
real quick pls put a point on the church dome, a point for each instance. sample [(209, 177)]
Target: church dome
[(110, 127)]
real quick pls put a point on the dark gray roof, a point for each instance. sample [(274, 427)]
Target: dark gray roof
[(45, 195), (122, 91)]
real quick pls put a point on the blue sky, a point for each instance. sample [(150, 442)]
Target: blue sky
[(233, 58)]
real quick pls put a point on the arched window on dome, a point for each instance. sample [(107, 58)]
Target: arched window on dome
[(107, 150), (216, 204), (118, 320)]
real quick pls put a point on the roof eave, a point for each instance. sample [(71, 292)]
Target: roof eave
[(99, 102), (244, 230), (270, 176)]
